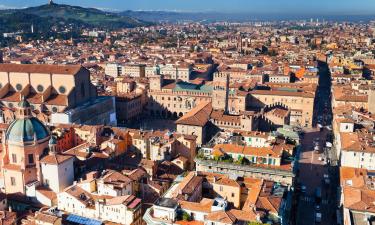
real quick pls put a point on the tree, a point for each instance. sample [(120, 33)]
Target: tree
[(255, 223), (186, 216)]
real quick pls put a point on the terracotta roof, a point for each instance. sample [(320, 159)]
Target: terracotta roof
[(246, 150), (55, 159), (46, 218), (49, 69), (358, 189), (269, 203), (203, 206), (222, 217), (198, 116)]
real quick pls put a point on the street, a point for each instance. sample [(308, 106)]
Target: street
[(317, 170)]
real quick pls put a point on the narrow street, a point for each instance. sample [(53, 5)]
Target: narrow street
[(317, 170)]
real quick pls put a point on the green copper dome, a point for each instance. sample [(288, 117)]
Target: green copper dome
[(24, 130)]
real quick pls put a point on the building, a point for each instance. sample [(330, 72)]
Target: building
[(232, 200), (357, 149), (133, 70), (31, 166), (300, 103), (122, 209), (113, 70), (357, 195), (25, 144), (371, 100), (46, 87), (66, 92), (98, 111), (57, 169), (279, 79)]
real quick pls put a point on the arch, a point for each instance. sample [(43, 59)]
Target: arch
[(180, 114), (169, 114), (175, 115)]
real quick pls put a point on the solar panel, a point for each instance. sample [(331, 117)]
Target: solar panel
[(82, 220)]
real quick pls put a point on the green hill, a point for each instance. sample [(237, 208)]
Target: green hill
[(45, 17), (89, 16)]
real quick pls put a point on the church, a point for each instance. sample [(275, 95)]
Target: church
[(29, 161)]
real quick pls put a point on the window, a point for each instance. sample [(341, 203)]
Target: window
[(221, 188), (40, 88), (19, 87), (31, 158), (62, 89), (14, 158), (232, 195), (13, 181), (54, 109)]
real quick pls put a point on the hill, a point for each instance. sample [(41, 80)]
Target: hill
[(89, 16), (45, 17)]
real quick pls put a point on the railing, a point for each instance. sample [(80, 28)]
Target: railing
[(150, 220), (246, 168)]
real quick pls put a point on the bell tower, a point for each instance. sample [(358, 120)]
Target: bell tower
[(371, 100), (220, 92)]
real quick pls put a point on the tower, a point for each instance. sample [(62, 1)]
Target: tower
[(371, 100), (220, 93), (156, 82), (50, 2)]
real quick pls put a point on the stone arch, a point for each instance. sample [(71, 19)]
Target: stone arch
[(180, 114)]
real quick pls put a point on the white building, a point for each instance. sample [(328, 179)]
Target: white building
[(58, 171), (113, 69), (114, 184), (133, 70), (122, 209), (279, 79), (357, 150)]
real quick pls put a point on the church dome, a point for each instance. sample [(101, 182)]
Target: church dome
[(26, 130)]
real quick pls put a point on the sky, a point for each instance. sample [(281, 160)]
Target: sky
[(354, 7)]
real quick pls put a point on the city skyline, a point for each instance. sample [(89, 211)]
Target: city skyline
[(293, 7)]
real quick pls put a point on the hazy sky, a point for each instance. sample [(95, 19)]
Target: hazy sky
[(272, 6)]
